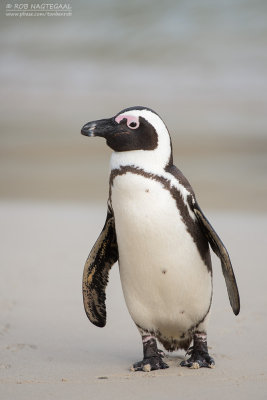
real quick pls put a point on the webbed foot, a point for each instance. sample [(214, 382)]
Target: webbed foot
[(149, 364), (152, 356), (199, 356)]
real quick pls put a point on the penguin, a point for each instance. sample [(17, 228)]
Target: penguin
[(161, 239)]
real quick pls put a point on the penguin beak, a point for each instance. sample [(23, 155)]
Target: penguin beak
[(101, 127)]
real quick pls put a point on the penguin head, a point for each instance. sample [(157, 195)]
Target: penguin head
[(137, 131)]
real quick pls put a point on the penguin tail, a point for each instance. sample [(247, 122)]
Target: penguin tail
[(171, 344)]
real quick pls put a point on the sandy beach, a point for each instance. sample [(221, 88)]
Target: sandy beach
[(49, 350)]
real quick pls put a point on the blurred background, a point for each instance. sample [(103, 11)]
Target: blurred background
[(200, 64)]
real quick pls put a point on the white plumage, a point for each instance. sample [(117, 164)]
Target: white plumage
[(165, 282)]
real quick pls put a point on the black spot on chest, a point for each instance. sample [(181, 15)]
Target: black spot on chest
[(164, 271)]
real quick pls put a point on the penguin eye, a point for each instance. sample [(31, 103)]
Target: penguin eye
[(131, 121), (133, 124)]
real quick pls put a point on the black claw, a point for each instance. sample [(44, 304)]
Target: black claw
[(161, 353), (150, 364), (198, 362)]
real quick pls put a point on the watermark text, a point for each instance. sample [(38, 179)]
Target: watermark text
[(38, 10)]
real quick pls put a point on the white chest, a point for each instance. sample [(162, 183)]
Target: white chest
[(162, 273)]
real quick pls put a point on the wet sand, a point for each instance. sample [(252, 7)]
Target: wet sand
[(49, 350)]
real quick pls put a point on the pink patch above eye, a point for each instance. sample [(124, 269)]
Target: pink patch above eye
[(130, 120)]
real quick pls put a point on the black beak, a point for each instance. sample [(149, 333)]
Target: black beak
[(101, 127)]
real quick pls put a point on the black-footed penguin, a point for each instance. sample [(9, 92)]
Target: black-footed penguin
[(158, 233)]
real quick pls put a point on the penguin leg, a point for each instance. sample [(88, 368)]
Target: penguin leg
[(152, 356), (199, 355)]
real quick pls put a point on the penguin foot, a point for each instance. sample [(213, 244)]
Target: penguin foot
[(152, 356), (150, 364), (199, 360), (199, 356)]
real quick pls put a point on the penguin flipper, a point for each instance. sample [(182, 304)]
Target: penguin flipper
[(96, 270), (220, 250)]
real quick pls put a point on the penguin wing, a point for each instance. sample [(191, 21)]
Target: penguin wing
[(220, 250), (96, 270)]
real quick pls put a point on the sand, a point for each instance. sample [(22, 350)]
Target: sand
[(49, 350)]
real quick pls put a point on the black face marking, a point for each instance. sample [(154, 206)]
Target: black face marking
[(121, 135), (192, 226), (127, 138)]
